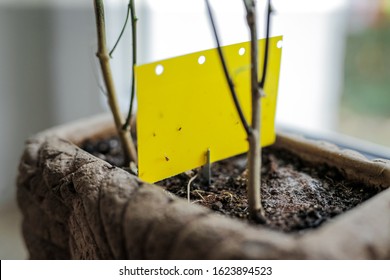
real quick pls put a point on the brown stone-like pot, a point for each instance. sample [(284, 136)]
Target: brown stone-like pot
[(76, 206)]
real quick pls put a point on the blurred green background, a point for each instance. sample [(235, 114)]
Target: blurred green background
[(365, 102)]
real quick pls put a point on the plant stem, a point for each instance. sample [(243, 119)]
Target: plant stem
[(254, 131), (226, 71), (254, 155), (122, 31), (266, 51), (134, 41), (102, 54)]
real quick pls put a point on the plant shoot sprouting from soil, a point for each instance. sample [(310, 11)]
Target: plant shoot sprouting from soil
[(253, 131)]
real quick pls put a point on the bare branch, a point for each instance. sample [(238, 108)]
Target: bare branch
[(134, 42), (226, 71), (254, 155), (102, 54), (265, 60), (122, 31), (247, 4)]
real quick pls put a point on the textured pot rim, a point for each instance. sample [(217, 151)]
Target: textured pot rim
[(363, 232), (352, 164)]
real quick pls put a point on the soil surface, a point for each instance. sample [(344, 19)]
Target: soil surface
[(296, 195)]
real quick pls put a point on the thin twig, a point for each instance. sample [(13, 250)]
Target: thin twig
[(226, 71), (247, 4), (134, 41), (122, 31), (102, 54), (267, 35)]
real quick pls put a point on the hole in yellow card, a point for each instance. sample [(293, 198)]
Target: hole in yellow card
[(185, 108)]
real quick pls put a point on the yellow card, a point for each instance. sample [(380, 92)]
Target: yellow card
[(185, 108)]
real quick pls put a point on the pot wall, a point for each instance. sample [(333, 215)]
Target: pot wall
[(76, 206)]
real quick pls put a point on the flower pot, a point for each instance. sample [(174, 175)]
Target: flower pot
[(76, 206)]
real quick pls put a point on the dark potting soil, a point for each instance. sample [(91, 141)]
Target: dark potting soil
[(296, 195)]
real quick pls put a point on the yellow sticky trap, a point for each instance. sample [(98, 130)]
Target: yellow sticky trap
[(185, 108)]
